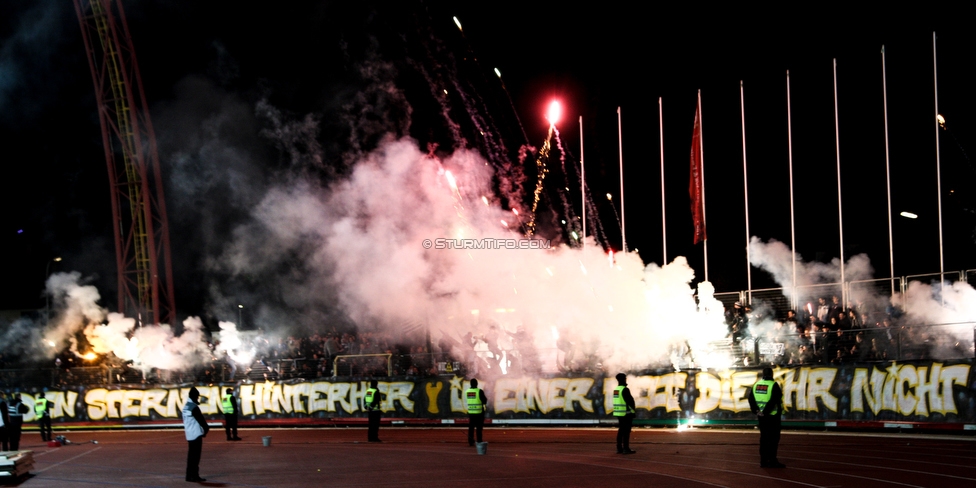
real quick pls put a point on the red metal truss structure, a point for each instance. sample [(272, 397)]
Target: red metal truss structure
[(138, 209)]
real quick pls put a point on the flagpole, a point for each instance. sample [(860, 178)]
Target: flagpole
[(582, 185), (664, 228), (938, 161), (840, 211), (745, 189), (789, 142), (701, 151), (891, 240), (623, 221)]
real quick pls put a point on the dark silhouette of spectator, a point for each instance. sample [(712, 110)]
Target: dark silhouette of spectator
[(843, 321), (792, 323), (823, 310), (835, 308), (860, 350)]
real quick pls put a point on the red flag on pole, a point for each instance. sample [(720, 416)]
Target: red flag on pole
[(696, 186)]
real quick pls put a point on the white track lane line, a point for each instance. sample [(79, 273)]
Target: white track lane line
[(69, 459)]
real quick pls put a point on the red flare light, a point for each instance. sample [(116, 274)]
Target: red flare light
[(555, 112)]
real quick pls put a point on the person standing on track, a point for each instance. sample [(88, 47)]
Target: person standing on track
[(228, 404), (372, 403), (766, 401), (196, 428), (625, 409), (4, 422), (476, 401), (43, 414), (15, 416)]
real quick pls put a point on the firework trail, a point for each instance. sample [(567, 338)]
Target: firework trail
[(614, 207), (440, 69), (568, 209), (592, 214), (541, 172), (501, 82)]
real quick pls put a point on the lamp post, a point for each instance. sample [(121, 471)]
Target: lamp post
[(47, 296)]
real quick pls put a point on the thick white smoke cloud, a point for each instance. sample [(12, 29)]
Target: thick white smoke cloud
[(948, 304), (150, 347), (233, 346), (75, 310), (74, 306), (949, 307), (371, 228), (777, 259)]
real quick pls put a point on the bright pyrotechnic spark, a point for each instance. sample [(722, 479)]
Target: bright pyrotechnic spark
[(609, 197), (515, 211), (132, 349), (555, 111), (242, 358), (453, 182), (504, 223), (458, 22), (810, 308), (541, 170), (89, 356), (485, 199), (498, 73), (610, 257)]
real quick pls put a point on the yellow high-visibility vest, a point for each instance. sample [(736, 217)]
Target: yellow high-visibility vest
[(227, 403), (620, 407), (40, 405), (370, 393), (762, 391), (473, 398)]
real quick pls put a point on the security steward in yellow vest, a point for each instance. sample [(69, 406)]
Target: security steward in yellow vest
[(43, 415), (228, 405), (371, 403), (625, 409), (766, 401), (476, 400)]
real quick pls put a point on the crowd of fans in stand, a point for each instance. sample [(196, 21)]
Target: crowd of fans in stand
[(833, 334), (826, 334), (295, 356)]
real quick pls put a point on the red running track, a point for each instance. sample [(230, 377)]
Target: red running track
[(544, 457)]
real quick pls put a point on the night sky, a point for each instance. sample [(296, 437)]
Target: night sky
[(241, 95)]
